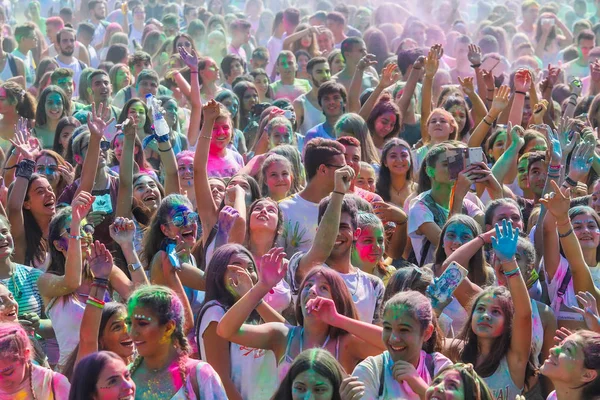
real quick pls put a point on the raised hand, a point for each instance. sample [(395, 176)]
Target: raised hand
[(322, 308), (227, 218), (238, 280), (553, 74), (129, 127), (522, 80), (419, 63), (505, 242), (351, 388), (211, 111), (581, 160), (474, 55), (366, 62), (272, 267), (501, 96), (554, 144), (558, 202), (515, 136), (26, 146), (81, 205), (589, 312), (389, 213), (122, 231), (100, 260), (190, 59), (539, 110), (595, 71), (467, 85), (432, 62), (488, 79), (96, 120), (561, 334), (232, 193), (343, 179), (67, 172), (576, 86), (389, 75)]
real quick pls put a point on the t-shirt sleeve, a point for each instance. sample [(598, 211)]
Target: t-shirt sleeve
[(368, 372), (209, 383), (418, 214), (61, 386), (440, 362), (213, 314), (472, 208)]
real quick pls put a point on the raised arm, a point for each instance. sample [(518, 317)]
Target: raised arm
[(191, 60), (432, 64), (294, 37), (96, 123), (328, 227), (409, 88), (100, 262), (122, 231), (479, 110), (499, 103), (505, 248), (389, 76), (508, 160), (209, 212), (51, 285), (356, 84), (522, 84), (125, 194), (25, 148), (575, 85)]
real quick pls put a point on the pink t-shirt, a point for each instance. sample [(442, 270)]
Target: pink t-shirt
[(224, 167)]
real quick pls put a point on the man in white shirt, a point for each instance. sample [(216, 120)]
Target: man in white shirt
[(97, 12), (240, 35), (53, 26), (66, 47), (306, 106), (26, 41), (85, 36)]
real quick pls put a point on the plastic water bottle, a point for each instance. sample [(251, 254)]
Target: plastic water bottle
[(160, 125)]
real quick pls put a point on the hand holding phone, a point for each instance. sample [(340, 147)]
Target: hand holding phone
[(442, 288)]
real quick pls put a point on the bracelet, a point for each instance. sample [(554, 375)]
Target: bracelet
[(482, 239), (95, 300), (100, 280), (475, 65), (554, 168), (564, 235), (167, 150), (205, 137), (342, 193), (513, 272), (570, 181), (193, 72), (100, 285), (519, 92), (92, 303), (25, 169), (486, 122), (75, 237)]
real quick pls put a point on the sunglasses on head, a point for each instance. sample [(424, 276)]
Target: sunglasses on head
[(183, 220)]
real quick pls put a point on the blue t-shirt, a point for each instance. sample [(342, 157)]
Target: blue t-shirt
[(317, 132)]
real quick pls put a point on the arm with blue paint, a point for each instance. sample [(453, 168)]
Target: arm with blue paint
[(504, 244)]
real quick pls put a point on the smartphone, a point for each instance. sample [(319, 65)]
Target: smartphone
[(475, 155), (169, 246), (441, 289)]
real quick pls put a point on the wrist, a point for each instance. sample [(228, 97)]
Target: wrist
[(127, 247), (262, 288)]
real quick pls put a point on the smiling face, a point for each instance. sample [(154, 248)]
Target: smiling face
[(311, 385), (384, 124), (455, 236), (48, 167), (114, 382), (488, 317), (402, 334), (352, 156), (221, 135), (439, 127), (278, 178), (217, 189), (509, 212), (262, 84), (398, 160), (369, 247), (54, 106), (366, 179), (146, 191), (115, 336), (9, 308), (13, 371), (185, 170), (447, 385), (536, 177), (147, 334), (565, 363), (315, 286), (264, 216), (41, 198), (587, 231), (182, 223), (332, 104), (345, 237)]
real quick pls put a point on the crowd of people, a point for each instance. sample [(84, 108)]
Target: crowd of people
[(279, 199)]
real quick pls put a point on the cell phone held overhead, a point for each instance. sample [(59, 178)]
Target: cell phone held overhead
[(442, 288), (461, 158)]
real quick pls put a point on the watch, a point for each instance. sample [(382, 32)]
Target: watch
[(134, 267)]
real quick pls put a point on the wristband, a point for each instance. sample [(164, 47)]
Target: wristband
[(553, 176), (342, 193), (100, 285), (166, 150), (101, 280), (513, 272), (25, 169), (570, 181), (554, 168), (482, 239), (93, 303), (193, 72), (76, 237), (205, 137), (519, 92), (567, 233), (486, 122)]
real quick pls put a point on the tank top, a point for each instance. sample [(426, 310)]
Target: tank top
[(66, 313), (312, 115), (6, 73), (286, 361), (501, 384)]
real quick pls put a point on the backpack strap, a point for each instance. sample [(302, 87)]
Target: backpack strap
[(381, 378), (438, 217), (199, 316), (81, 64), (12, 64), (565, 282)]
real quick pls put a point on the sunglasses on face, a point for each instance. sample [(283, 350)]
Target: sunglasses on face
[(184, 220)]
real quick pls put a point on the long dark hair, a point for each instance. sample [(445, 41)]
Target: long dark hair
[(142, 214), (319, 360), (125, 111), (63, 123), (384, 105), (585, 210), (453, 101), (501, 344), (23, 100), (478, 271), (86, 374), (340, 296), (40, 112), (384, 180), (55, 233), (240, 90)]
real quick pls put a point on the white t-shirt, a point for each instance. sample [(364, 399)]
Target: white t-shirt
[(275, 46), (419, 214), (366, 289), (75, 66), (253, 371), (300, 218), (369, 372)]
